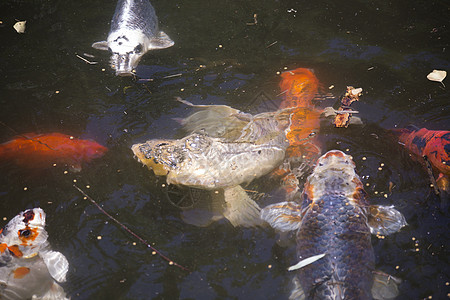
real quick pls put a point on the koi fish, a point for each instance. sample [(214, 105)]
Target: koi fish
[(134, 31), (226, 148), (333, 222), (299, 87), (28, 267), (41, 151), (434, 144)]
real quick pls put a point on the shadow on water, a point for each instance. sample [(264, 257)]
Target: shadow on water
[(227, 52)]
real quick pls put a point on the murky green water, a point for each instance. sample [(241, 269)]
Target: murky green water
[(387, 48)]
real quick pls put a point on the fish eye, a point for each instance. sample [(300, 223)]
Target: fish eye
[(138, 48), (25, 233)]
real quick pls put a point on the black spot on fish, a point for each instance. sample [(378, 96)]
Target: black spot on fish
[(155, 161), (162, 144), (28, 216), (419, 142)]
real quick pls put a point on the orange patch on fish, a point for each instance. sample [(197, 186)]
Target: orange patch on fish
[(27, 235), (15, 251), (3, 247), (299, 87), (21, 272)]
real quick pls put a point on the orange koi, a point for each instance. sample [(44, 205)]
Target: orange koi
[(299, 86), (40, 151)]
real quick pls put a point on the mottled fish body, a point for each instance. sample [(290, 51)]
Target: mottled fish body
[(334, 223), (29, 269), (134, 31)]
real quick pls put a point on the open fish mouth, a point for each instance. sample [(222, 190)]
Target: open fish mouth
[(122, 64)]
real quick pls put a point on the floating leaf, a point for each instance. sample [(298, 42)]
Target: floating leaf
[(437, 75), (20, 26), (306, 261)]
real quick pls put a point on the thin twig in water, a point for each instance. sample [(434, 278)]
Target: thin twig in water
[(174, 75), (430, 174), (86, 61), (26, 137), (270, 45), (171, 262)]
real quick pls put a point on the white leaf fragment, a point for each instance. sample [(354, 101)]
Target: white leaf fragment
[(437, 75), (306, 261), (20, 26), (357, 91)]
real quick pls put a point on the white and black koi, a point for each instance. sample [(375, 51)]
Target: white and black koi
[(134, 31)]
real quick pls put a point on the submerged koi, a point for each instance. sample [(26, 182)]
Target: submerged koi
[(40, 151), (299, 87), (28, 268)]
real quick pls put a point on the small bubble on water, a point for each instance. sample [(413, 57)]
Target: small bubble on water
[(364, 158), (382, 164), (397, 267), (367, 184), (171, 263), (269, 266), (88, 186), (74, 180), (134, 243), (154, 253), (99, 237), (54, 165), (4, 218), (25, 188), (65, 172), (380, 168)]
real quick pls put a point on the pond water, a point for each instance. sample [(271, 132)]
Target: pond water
[(387, 48)]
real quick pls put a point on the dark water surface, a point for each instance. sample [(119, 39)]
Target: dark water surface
[(385, 47)]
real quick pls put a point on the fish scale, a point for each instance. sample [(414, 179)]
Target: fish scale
[(325, 229)]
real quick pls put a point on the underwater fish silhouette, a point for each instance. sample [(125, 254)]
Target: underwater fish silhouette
[(29, 269), (333, 222), (134, 31), (41, 151)]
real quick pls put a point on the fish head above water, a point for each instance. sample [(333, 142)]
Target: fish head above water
[(25, 234), (127, 49), (335, 173)]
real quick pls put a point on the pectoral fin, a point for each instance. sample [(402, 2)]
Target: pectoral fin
[(161, 42), (385, 220), (384, 286), (56, 263), (283, 216), (103, 45), (56, 292), (240, 209)]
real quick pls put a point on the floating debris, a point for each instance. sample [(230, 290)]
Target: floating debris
[(20, 26), (437, 75)]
